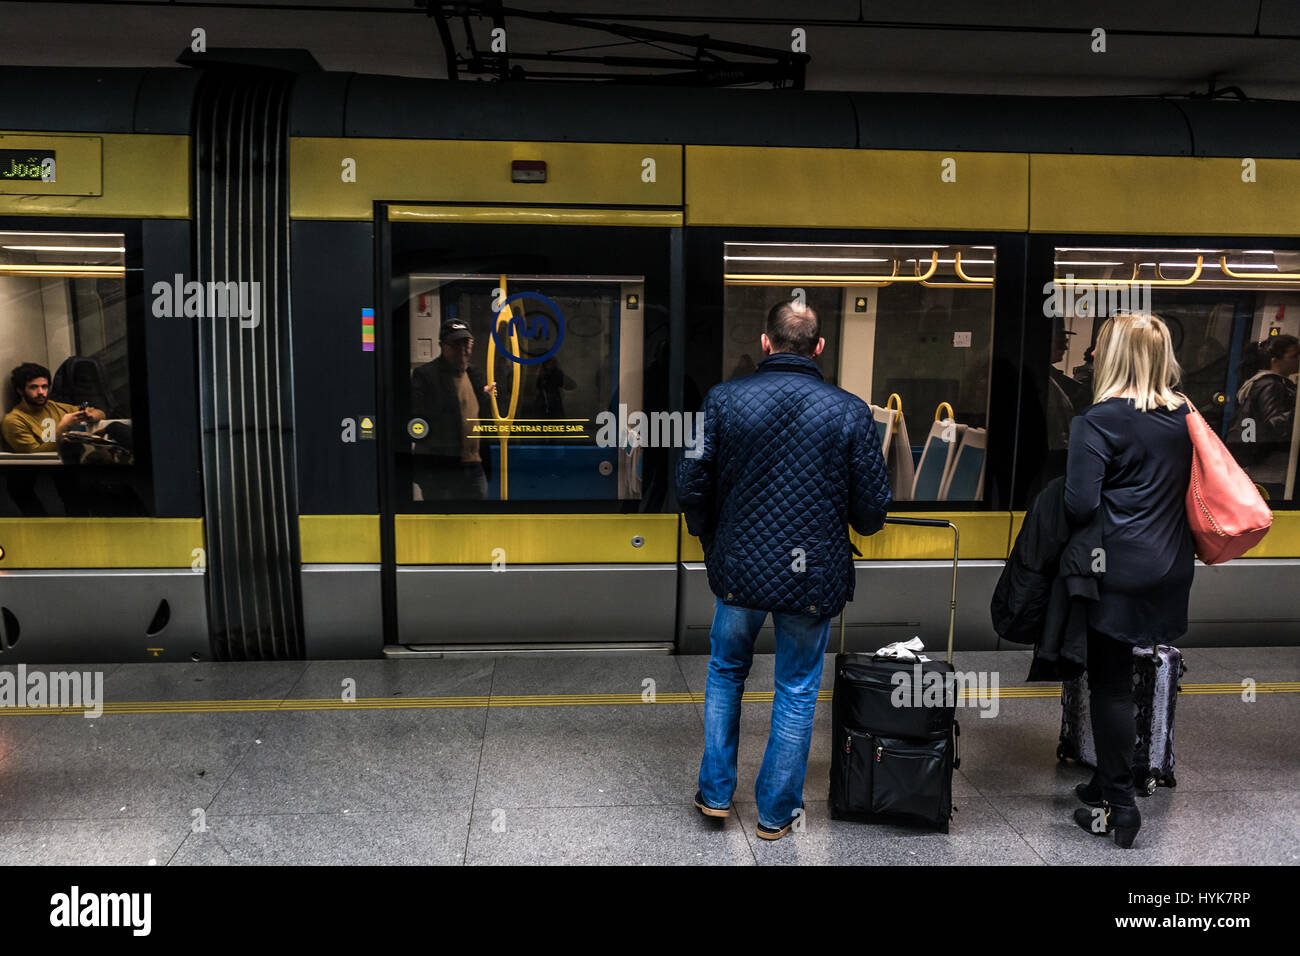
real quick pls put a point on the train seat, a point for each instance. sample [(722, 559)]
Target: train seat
[(965, 478), (896, 447), (937, 456)]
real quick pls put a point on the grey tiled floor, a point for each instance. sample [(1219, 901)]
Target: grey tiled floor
[(589, 783)]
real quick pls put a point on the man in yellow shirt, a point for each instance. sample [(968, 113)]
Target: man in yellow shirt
[(36, 424)]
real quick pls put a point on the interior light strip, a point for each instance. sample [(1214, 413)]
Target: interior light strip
[(66, 248), (60, 271)]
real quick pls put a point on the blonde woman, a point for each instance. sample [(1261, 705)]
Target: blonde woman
[(1130, 456)]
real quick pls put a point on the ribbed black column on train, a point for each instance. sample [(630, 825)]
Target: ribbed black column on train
[(241, 220)]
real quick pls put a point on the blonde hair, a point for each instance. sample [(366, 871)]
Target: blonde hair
[(1134, 351)]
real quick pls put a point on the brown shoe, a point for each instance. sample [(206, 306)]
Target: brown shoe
[(707, 810), (764, 833), (767, 833)]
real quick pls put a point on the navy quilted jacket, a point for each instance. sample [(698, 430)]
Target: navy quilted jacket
[(786, 463)]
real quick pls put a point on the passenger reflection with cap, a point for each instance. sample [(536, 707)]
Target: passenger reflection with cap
[(451, 461)]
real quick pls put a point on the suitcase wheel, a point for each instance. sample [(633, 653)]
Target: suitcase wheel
[(1149, 787)]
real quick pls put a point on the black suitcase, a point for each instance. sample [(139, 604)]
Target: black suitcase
[(892, 755), (1157, 673)]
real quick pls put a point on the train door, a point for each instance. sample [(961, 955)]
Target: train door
[(526, 494)]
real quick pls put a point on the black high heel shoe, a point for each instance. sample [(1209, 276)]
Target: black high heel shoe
[(1089, 793), (1121, 822)]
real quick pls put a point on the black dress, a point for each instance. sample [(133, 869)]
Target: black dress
[(1135, 466)]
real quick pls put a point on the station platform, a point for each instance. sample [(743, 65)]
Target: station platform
[(556, 759)]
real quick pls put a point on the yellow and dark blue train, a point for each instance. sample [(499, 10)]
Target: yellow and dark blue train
[(246, 269)]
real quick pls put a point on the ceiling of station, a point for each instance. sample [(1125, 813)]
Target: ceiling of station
[(1018, 46)]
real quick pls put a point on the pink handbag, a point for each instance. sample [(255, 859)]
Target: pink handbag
[(1224, 508)]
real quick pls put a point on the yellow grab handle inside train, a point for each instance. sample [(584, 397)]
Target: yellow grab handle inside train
[(942, 406), (895, 404), (961, 274), (505, 314), (1159, 280), (934, 267), (769, 278), (1227, 270)]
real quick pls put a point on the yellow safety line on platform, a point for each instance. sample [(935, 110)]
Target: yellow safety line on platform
[(545, 700)]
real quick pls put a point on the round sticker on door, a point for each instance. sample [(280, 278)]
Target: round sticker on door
[(539, 324)]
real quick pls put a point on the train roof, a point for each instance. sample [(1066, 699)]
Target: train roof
[(97, 100), (118, 100)]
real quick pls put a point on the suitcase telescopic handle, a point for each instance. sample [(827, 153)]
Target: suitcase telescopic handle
[(956, 547)]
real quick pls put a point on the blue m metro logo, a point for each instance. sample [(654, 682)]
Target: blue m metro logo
[(527, 327)]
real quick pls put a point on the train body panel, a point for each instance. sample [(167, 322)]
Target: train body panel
[(342, 611), (556, 605), (934, 243), (102, 615)]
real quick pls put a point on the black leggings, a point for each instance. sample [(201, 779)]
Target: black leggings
[(1114, 724)]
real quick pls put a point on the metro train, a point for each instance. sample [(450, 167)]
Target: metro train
[(250, 271)]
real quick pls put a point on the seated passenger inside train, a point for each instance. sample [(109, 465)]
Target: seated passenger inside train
[(64, 416), (1260, 437), (37, 423)]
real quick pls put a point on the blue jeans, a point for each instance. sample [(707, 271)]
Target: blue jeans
[(800, 651)]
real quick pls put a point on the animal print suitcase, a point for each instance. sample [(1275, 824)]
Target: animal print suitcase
[(1157, 673)]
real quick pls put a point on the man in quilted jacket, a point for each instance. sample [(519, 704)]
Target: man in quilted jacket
[(786, 464)]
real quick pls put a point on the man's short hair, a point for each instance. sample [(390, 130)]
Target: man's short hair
[(25, 374), (793, 327)]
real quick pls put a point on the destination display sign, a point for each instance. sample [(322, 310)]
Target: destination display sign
[(29, 165)]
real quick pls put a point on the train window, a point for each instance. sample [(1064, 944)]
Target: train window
[(63, 353), (526, 387), (1234, 318), (908, 328)]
